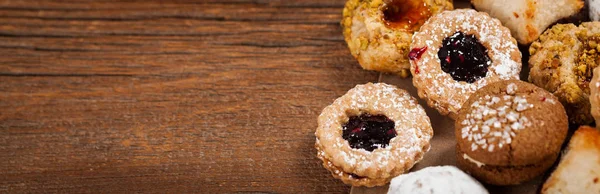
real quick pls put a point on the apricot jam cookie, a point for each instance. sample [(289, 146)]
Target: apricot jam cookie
[(509, 132), (457, 52), (371, 134), (562, 62), (378, 32)]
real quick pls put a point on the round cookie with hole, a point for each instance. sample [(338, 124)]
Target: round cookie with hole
[(509, 132), (457, 52), (378, 32), (372, 134)]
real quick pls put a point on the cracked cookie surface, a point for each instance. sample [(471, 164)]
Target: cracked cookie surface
[(562, 62), (509, 132)]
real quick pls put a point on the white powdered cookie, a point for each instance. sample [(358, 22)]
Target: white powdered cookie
[(436, 180)]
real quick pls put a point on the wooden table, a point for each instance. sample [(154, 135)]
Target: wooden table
[(169, 96)]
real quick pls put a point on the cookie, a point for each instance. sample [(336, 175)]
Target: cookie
[(579, 169), (371, 134), (594, 9), (595, 95), (528, 19), (457, 52), (436, 180), (379, 32), (562, 62), (509, 132)]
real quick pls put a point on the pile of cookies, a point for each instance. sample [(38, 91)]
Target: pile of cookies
[(465, 63)]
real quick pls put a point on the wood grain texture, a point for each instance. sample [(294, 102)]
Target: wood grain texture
[(205, 96)]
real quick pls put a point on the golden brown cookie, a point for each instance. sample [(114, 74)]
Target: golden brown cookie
[(527, 19), (509, 132), (595, 95), (562, 62), (372, 134), (378, 32), (457, 52), (579, 169)]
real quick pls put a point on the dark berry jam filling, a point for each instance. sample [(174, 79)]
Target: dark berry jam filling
[(405, 14), (464, 57), (369, 132)]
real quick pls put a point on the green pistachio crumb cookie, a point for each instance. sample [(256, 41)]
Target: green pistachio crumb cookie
[(562, 62), (378, 32)]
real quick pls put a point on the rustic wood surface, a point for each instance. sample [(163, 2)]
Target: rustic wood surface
[(169, 96)]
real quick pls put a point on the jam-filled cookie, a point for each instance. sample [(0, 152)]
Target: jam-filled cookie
[(562, 62), (509, 132), (378, 32), (372, 134), (457, 52)]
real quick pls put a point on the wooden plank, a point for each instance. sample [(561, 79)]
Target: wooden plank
[(151, 96)]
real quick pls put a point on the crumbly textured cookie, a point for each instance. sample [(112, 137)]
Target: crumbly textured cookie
[(562, 62), (594, 9), (457, 52), (378, 32), (578, 170), (372, 134), (528, 19), (436, 180), (509, 132), (595, 95)]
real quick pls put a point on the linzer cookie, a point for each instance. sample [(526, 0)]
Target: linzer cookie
[(371, 134), (457, 52), (509, 132), (379, 32)]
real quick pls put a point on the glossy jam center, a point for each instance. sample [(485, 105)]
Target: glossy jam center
[(369, 132), (464, 57), (406, 14)]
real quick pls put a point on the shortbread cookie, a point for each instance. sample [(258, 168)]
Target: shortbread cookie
[(457, 52), (372, 134)]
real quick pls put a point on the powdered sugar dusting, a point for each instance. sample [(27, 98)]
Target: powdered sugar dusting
[(435, 83), (397, 105), (493, 121)]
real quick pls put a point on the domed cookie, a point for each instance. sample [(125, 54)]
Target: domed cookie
[(528, 19), (562, 62), (579, 169), (595, 95), (372, 134), (436, 180), (378, 32), (457, 52), (509, 132)]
